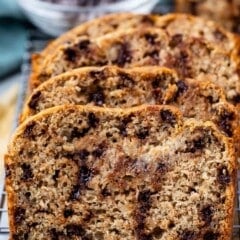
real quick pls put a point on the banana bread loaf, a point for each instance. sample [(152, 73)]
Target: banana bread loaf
[(94, 28), (115, 87), (174, 24), (73, 172), (191, 57), (224, 12)]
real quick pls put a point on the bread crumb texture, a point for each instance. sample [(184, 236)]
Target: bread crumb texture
[(77, 172)]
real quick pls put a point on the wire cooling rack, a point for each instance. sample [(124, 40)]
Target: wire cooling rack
[(36, 42)]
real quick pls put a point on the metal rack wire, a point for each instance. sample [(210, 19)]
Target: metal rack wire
[(36, 42)]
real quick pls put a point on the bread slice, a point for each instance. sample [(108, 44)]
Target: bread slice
[(93, 28), (225, 12), (174, 24), (115, 87), (191, 57), (186, 24), (74, 172)]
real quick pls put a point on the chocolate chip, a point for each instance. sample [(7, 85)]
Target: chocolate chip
[(219, 35), (199, 143), (122, 129), (236, 24), (98, 152), (236, 98), (206, 214), (210, 236), (187, 235), (21, 236), (92, 120), (85, 175), (105, 192), (150, 38), (181, 64), (33, 224), (158, 80), (88, 216), (34, 100), (108, 134), (19, 215), (75, 193), (68, 213), (196, 144), (212, 100), (70, 54), (28, 131), (147, 19), (182, 87), (56, 174), (223, 176), (157, 232), (225, 122), (82, 154), (124, 55), (123, 125), (175, 40), (78, 133), (171, 225), (27, 195), (168, 117), (8, 171), (156, 83), (27, 171), (161, 168), (97, 97), (54, 234), (144, 196), (153, 54), (145, 236), (142, 133), (191, 190), (83, 45), (75, 230), (125, 81)]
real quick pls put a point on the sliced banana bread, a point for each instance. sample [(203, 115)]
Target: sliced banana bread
[(191, 57), (225, 12), (174, 24), (76, 172), (115, 87), (94, 28), (186, 24)]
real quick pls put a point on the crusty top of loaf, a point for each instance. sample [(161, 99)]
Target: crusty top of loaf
[(174, 23), (141, 173)]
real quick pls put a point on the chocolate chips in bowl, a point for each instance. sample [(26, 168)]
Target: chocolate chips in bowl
[(55, 17)]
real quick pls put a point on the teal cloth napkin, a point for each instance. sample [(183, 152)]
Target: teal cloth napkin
[(13, 36)]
